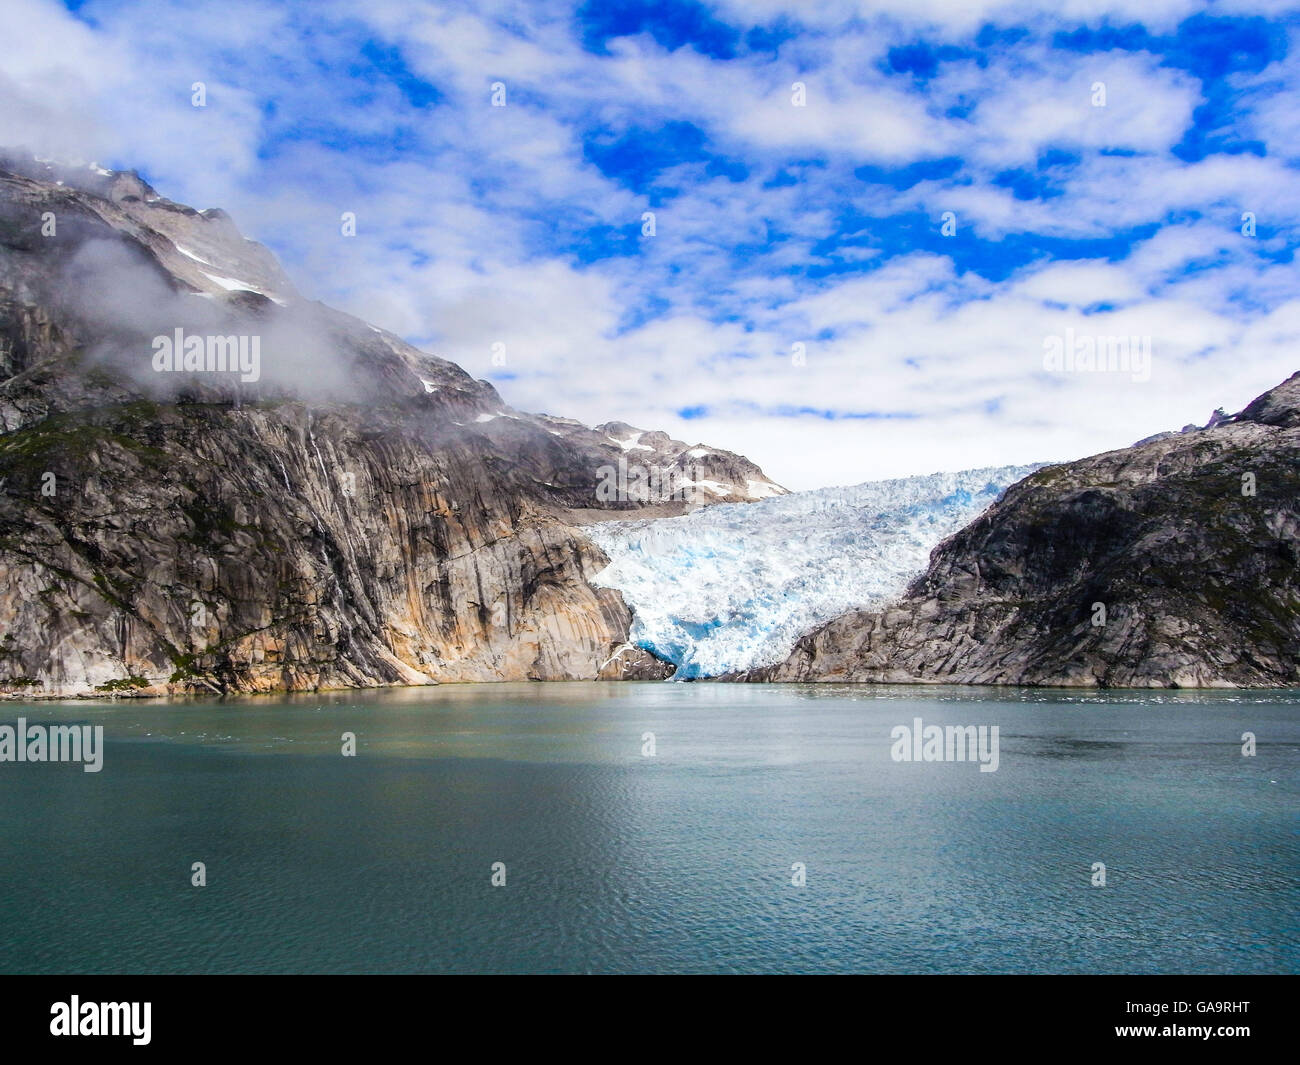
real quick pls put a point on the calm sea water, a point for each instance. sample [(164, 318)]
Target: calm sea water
[(680, 862)]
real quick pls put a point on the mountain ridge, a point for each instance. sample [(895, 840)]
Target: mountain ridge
[(350, 512), (1171, 563)]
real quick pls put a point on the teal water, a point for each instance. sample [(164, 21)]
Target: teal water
[(680, 862)]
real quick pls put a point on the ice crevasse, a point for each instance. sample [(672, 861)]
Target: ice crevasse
[(733, 586)]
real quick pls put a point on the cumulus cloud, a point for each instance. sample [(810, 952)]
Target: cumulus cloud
[(797, 297)]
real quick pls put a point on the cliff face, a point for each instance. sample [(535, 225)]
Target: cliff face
[(1170, 563), (354, 512)]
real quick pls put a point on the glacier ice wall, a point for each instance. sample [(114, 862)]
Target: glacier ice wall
[(733, 586)]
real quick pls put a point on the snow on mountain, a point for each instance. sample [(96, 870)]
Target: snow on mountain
[(733, 586)]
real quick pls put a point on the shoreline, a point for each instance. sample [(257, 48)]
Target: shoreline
[(923, 685)]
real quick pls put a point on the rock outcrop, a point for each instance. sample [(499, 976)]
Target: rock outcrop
[(1172, 563), (349, 512)]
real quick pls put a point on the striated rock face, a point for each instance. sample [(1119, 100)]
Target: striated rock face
[(354, 513), (1172, 563)]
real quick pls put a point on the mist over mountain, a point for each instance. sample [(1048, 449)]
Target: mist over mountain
[(209, 483)]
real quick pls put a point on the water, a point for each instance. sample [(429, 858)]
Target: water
[(681, 862)]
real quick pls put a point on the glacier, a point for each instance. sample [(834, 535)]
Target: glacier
[(732, 586)]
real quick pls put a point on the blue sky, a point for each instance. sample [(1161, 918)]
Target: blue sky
[(800, 299)]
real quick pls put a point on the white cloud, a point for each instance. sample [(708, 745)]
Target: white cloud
[(466, 235), (1080, 284)]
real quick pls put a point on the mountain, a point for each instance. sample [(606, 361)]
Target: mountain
[(210, 483), (732, 587), (1172, 563)]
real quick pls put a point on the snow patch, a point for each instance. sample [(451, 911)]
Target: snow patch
[(630, 444), (190, 255), (716, 487), (231, 284)]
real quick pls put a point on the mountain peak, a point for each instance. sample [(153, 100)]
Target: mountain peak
[(1168, 564), (209, 483), (1279, 406)]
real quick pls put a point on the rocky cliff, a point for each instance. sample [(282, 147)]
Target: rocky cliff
[(339, 510), (1172, 563)]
